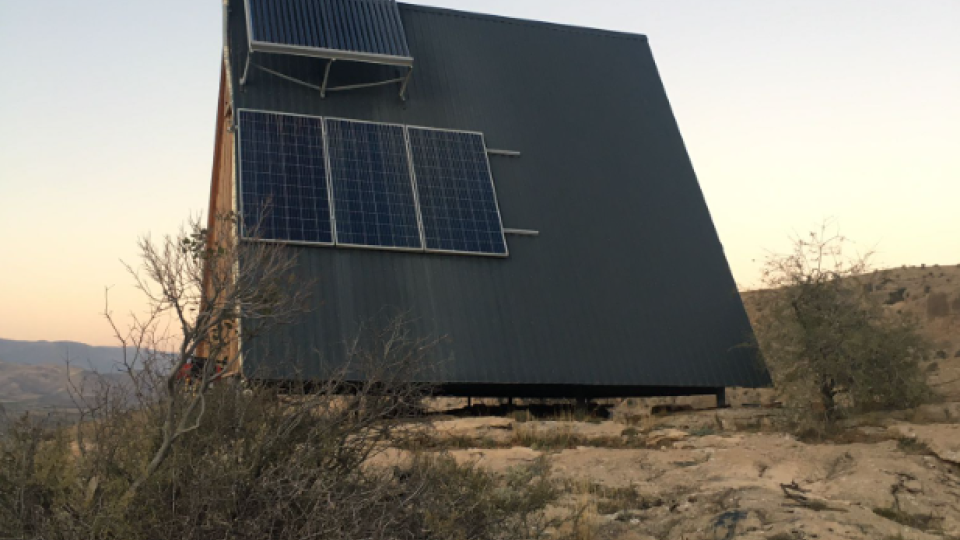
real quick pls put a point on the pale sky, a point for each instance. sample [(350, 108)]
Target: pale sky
[(792, 110)]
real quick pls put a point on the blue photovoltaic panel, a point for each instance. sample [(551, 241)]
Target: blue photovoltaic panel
[(373, 196), (458, 204), (359, 26), (283, 178)]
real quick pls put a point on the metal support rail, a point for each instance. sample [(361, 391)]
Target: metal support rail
[(246, 69), (506, 153), (365, 85), (326, 78), (521, 232)]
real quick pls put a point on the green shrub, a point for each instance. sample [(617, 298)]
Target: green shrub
[(827, 341)]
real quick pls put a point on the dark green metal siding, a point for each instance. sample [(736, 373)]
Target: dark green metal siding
[(627, 285)]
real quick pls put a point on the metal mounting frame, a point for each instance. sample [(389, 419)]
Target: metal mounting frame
[(324, 87)]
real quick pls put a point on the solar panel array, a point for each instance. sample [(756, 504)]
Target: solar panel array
[(364, 184), (361, 26)]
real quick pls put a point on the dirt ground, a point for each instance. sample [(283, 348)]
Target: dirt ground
[(725, 474)]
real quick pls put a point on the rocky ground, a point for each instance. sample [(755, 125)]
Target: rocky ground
[(725, 474)]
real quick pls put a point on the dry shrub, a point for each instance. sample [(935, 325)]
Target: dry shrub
[(464, 502), (34, 475), (159, 454), (261, 465)]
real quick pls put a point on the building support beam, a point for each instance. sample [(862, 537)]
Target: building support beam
[(582, 405), (721, 394)]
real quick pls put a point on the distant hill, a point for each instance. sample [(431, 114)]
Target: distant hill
[(82, 356), (45, 385), (45, 390), (34, 375)]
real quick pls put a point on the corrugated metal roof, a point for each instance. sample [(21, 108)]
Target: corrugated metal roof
[(362, 26), (627, 284)]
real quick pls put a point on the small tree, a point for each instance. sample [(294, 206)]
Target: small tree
[(827, 339)]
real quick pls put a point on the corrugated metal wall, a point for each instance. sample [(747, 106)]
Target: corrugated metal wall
[(627, 285)]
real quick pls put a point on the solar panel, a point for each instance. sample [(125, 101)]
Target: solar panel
[(374, 202), (370, 29), (283, 178), (457, 200)]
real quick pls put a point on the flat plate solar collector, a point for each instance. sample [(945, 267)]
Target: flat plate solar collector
[(456, 193), (372, 189), (359, 30), (283, 192)]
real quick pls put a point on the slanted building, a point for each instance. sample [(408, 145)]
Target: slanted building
[(520, 190)]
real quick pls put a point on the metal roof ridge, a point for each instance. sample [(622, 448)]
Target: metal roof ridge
[(524, 22)]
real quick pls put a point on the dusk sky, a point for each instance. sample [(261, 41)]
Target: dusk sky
[(792, 110)]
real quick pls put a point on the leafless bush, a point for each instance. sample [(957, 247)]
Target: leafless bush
[(827, 340)]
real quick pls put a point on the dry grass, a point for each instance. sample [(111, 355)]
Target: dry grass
[(703, 432), (623, 499), (923, 522), (914, 447), (586, 524), (527, 435), (544, 440)]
